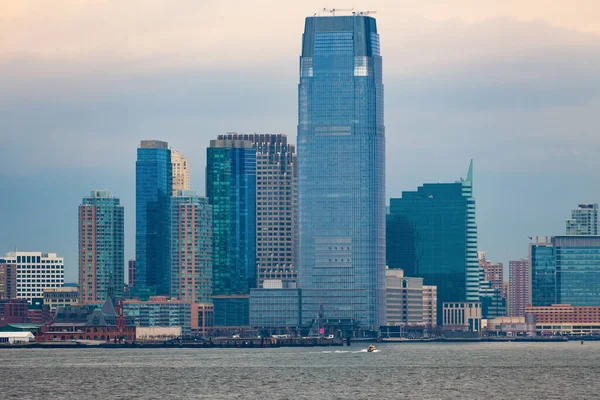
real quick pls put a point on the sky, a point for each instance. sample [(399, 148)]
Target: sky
[(512, 84)]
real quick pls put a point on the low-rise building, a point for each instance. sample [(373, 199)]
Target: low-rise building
[(404, 299), (161, 311), (13, 311), (232, 311), (511, 326), (430, 306), (275, 308), (462, 316), (62, 296), (16, 337), (157, 333), (564, 313)]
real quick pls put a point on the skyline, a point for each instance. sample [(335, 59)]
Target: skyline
[(66, 130)]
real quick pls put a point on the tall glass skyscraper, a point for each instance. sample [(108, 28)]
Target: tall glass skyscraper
[(153, 190), (341, 171), (101, 247), (432, 234), (231, 190)]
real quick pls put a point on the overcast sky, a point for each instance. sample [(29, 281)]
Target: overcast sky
[(513, 84)]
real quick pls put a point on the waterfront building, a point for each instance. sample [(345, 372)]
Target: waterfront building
[(36, 271), (565, 270), (8, 281), (504, 326), (341, 171), (583, 221), (191, 247), (161, 311), (101, 247), (519, 287), (492, 303), (564, 313), (131, 273), (153, 190), (404, 299), (13, 311), (431, 233), (231, 190), (180, 171), (231, 311), (430, 306), (61, 296), (462, 316), (275, 308)]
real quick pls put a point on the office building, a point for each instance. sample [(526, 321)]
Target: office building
[(275, 308), (463, 316), (565, 270), (36, 271), (60, 297), (153, 190), (8, 281), (565, 313), (191, 247), (101, 247), (161, 311), (181, 172), (13, 311), (583, 221), (131, 273), (404, 299), (431, 233), (492, 303), (519, 287), (341, 172), (494, 273), (429, 305)]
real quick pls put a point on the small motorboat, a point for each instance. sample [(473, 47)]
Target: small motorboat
[(371, 349)]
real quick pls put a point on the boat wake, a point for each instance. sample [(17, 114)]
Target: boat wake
[(348, 351)]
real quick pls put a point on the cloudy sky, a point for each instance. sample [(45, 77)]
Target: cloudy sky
[(513, 84)]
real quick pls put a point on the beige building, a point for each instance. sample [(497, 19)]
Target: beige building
[(430, 305), (463, 316), (61, 296), (404, 299), (160, 333), (181, 172)]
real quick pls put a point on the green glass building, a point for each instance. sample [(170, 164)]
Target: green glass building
[(432, 234)]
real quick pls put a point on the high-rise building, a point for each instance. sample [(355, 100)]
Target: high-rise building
[(431, 233), (565, 270), (131, 271), (101, 247), (584, 220), (494, 273), (519, 287), (430, 305), (493, 304), (181, 172), (191, 247), (341, 171), (36, 271), (8, 281), (153, 192)]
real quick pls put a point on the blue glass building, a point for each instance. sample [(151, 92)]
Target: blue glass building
[(231, 190), (341, 171), (153, 190), (432, 234), (565, 270)]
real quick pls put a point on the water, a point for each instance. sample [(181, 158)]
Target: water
[(415, 371)]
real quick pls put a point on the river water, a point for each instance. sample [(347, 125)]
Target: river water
[(403, 371)]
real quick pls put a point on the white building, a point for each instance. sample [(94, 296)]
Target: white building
[(36, 272), (16, 337), (464, 316)]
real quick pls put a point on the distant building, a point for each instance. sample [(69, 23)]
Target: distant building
[(404, 299), (60, 297), (232, 311), (153, 190), (272, 308), (161, 311), (492, 303), (131, 275), (565, 313), (583, 221), (13, 311), (463, 316), (494, 273), (431, 233), (181, 172), (101, 247), (429, 305), (191, 247), (511, 326), (519, 287), (8, 281), (565, 270), (36, 271)]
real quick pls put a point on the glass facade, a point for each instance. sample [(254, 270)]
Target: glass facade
[(432, 234), (566, 271), (341, 171), (231, 190), (101, 247), (275, 308), (153, 190)]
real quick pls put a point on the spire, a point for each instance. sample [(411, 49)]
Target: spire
[(470, 173)]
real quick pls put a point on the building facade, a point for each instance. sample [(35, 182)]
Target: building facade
[(61, 296), (430, 305), (275, 308), (565, 313), (493, 304), (519, 287), (463, 316), (341, 171), (404, 299), (101, 247), (181, 172), (583, 221), (494, 273), (153, 190), (8, 281), (191, 247), (565, 270), (161, 311), (36, 271), (431, 233), (131, 273)]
